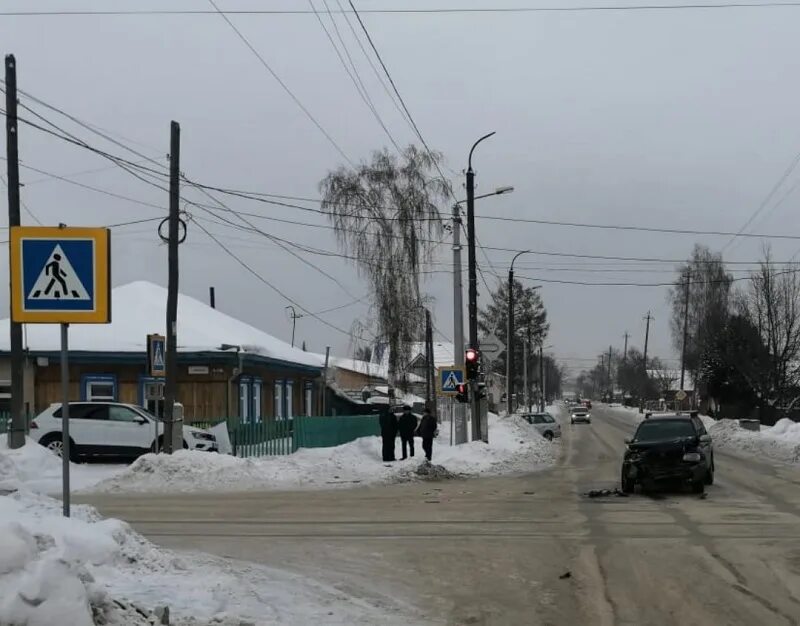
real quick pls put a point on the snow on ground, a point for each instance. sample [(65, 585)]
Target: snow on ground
[(514, 447), (39, 470), (86, 570)]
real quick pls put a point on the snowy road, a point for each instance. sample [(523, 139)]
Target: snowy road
[(492, 551)]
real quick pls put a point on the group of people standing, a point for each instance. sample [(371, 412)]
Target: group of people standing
[(408, 428)]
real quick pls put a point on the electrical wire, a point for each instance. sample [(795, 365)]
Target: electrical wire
[(283, 85)]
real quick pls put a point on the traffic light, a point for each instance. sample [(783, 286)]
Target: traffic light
[(480, 391), (472, 360), (462, 395)]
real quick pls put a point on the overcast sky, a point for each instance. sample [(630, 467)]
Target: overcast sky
[(680, 119)]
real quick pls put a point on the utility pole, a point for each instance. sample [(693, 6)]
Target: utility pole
[(477, 435), (458, 322), (212, 299), (294, 317), (685, 327), (625, 352), (525, 357), (171, 360), (428, 358), (610, 386), (510, 345), (541, 376), (16, 435), (648, 318)]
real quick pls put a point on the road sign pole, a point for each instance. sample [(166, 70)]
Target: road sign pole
[(65, 417)]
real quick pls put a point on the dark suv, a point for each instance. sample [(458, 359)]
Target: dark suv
[(669, 448)]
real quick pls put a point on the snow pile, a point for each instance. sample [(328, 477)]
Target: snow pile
[(514, 446), (780, 442), (37, 469), (87, 571)]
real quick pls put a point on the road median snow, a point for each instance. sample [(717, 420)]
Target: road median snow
[(89, 571), (514, 447)]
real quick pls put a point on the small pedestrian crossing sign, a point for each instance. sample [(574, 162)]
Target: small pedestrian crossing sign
[(449, 380), (156, 346), (60, 275)]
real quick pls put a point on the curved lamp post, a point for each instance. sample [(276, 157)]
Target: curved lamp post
[(510, 334)]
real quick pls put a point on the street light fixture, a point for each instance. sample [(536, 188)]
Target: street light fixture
[(510, 337)]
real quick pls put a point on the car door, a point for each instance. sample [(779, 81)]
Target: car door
[(87, 424), (128, 432), (706, 447), (538, 422)]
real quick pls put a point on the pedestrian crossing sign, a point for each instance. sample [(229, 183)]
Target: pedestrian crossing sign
[(156, 346), (60, 275), (449, 380)]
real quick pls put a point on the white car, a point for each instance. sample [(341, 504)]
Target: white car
[(545, 423), (580, 414), (110, 429)]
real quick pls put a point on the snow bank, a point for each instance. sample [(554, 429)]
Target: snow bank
[(87, 570), (514, 446), (779, 443), (39, 470)]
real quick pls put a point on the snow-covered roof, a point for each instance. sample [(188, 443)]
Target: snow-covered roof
[(140, 308), (373, 370)]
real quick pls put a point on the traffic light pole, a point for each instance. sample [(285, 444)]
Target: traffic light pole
[(473, 291)]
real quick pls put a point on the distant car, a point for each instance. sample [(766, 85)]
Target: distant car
[(580, 414), (669, 447), (545, 423), (110, 429)]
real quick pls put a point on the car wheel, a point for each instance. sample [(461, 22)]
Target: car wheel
[(628, 483), (548, 435), (54, 443), (709, 478), (698, 486)]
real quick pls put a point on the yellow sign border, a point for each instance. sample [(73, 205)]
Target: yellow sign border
[(439, 370), (102, 275)]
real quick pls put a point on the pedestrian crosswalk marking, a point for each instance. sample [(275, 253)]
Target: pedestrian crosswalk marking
[(58, 280)]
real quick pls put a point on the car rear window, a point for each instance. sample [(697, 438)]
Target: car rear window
[(659, 430), (85, 412)]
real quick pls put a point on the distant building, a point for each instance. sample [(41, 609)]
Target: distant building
[(226, 368)]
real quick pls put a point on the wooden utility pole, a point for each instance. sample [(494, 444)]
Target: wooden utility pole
[(212, 298), (16, 434), (685, 327), (171, 360), (649, 318), (541, 375), (625, 351), (610, 386)]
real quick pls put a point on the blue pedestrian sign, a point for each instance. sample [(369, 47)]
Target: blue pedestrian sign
[(449, 379), (60, 275), (156, 347)]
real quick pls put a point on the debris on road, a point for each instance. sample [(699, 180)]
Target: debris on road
[(605, 493), (566, 575)]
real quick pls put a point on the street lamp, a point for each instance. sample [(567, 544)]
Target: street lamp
[(510, 335)]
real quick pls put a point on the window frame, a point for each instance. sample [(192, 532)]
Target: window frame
[(102, 379)]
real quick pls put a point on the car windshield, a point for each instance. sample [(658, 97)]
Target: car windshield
[(660, 430)]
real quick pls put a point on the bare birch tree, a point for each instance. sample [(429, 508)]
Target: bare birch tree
[(385, 214)]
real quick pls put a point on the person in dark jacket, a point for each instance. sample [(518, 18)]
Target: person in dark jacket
[(427, 430), (388, 423), (408, 425)]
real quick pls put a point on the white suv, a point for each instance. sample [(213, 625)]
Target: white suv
[(545, 423), (110, 429)]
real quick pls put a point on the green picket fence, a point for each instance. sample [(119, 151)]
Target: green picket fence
[(326, 432), (4, 420), (269, 438)]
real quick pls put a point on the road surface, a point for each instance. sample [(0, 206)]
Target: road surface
[(522, 550)]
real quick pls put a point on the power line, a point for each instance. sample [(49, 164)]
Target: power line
[(283, 85), (22, 202), (418, 11)]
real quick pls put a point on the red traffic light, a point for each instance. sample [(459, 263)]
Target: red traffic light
[(462, 388), (471, 355)]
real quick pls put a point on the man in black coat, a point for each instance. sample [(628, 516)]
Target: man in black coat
[(427, 430), (408, 425), (388, 423)]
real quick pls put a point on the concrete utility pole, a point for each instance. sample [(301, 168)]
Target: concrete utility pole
[(543, 402), (458, 323), (477, 435), (16, 433), (685, 327), (171, 357)]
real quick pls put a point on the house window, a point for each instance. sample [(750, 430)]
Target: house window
[(250, 399), (289, 398), (99, 388), (279, 400), (308, 396)]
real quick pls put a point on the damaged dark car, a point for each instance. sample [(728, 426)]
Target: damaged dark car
[(669, 449)]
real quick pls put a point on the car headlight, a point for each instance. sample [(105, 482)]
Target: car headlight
[(693, 457), (205, 436)]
